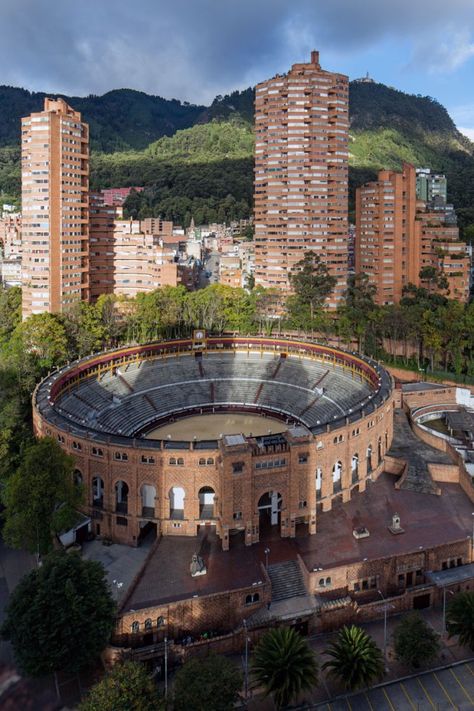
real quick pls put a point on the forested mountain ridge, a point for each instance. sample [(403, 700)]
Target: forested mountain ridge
[(187, 153)]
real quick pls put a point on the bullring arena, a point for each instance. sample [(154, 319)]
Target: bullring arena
[(230, 432), (270, 480)]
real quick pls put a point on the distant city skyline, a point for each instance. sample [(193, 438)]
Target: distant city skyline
[(193, 51)]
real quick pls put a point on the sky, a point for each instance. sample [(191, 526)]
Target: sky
[(195, 49)]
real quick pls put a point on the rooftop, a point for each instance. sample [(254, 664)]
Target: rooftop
[(427, 520)]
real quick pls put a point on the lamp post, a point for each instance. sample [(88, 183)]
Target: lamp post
[(472, 541), (386, 607), (246, 663), (443, 633), (267, 553), (166, 667)]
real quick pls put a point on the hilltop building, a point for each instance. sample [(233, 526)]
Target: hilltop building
[(55, 222), (402, 240), (301, 173)]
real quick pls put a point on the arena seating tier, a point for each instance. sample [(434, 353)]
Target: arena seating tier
[(132, 397)]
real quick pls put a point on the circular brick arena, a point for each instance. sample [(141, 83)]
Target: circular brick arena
[(151, 431)]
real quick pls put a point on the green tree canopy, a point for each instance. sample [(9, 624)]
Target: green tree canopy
[(311, 281), (312, 284), (460, 618), (415, 642), (38, 344), (60, 616), (127, 687), (40, 497), (285, 665), (210, 684), (356, 661), (10, 311)]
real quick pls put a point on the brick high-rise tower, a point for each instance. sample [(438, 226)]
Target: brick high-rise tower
[(55, 226), (301, 173), (399, 236)]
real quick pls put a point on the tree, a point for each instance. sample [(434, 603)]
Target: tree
[(127, 687), (460, 618), (85, 329), (10, 311), (60, 616), (284, 664), (415, 642), (210, 684), (312, 284), (356, 659), (36, 346), (40, 497), (359, 311)]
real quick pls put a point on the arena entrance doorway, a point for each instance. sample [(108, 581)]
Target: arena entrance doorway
[(269, 508), (148, 531)]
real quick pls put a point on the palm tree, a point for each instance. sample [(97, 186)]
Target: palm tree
[(460, 618), (356, 659), (284, 664)]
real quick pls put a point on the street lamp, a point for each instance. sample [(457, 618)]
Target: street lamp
[(166, 667), (444, 609), (386, 607), (267, 553), (246, 662), (472, 530)]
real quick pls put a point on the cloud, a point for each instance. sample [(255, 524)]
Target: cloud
[(194, 49), (444, 57)]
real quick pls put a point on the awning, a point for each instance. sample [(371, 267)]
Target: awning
[(451, 576)]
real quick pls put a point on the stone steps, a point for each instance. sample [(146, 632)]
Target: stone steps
[(287, 580)]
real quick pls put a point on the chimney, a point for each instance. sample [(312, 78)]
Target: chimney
[(315, 57)]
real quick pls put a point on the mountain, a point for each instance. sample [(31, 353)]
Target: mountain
[(187, 153)]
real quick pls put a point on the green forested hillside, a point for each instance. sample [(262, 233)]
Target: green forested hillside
[(196, 159)]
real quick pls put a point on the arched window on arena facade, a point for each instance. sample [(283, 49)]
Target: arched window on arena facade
[(369, 459), (355, 468), (379, 450), (78, 477), (121, 497), (319, 482), (148, 494), (336, 477), (206, 502), (135, 627), (176, 497), (97, 492), (202, 462)]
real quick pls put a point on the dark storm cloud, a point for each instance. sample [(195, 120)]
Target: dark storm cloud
[(193, 49)]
